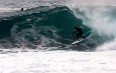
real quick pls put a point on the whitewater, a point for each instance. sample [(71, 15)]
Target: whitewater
[(36, 40)]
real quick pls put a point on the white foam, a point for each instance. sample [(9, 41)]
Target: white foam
[(91, 2), (58, 62), (101, 19), (107, 46)]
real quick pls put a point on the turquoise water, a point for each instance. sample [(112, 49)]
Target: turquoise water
[(43, 27)]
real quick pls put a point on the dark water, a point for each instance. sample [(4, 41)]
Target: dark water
[(45, 28)]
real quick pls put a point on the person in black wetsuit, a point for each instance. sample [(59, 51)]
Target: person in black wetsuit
[(79, 32), (22, 9)]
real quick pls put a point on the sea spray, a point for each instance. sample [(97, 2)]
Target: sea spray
[(101, 19)]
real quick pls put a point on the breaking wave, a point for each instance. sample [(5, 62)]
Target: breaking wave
[(49, 28)]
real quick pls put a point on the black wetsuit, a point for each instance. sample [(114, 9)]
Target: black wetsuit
[(22, 9), (80, 32)]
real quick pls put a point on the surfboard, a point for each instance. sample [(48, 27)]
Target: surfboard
[(77, 41), (81, 39)]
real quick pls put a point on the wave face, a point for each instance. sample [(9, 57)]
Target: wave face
[(46, 28)]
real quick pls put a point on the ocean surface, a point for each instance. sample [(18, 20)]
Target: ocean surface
[(38, 39)]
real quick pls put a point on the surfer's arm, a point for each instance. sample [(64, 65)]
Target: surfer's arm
[(73, 32)]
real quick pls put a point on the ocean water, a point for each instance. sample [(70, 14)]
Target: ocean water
[(38, 39)]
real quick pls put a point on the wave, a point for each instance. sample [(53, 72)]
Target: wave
[(46, 28)]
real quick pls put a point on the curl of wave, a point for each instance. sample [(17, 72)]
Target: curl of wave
[(46, 28)]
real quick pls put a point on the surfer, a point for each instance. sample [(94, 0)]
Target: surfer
[(22, 9), (79, 32)]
